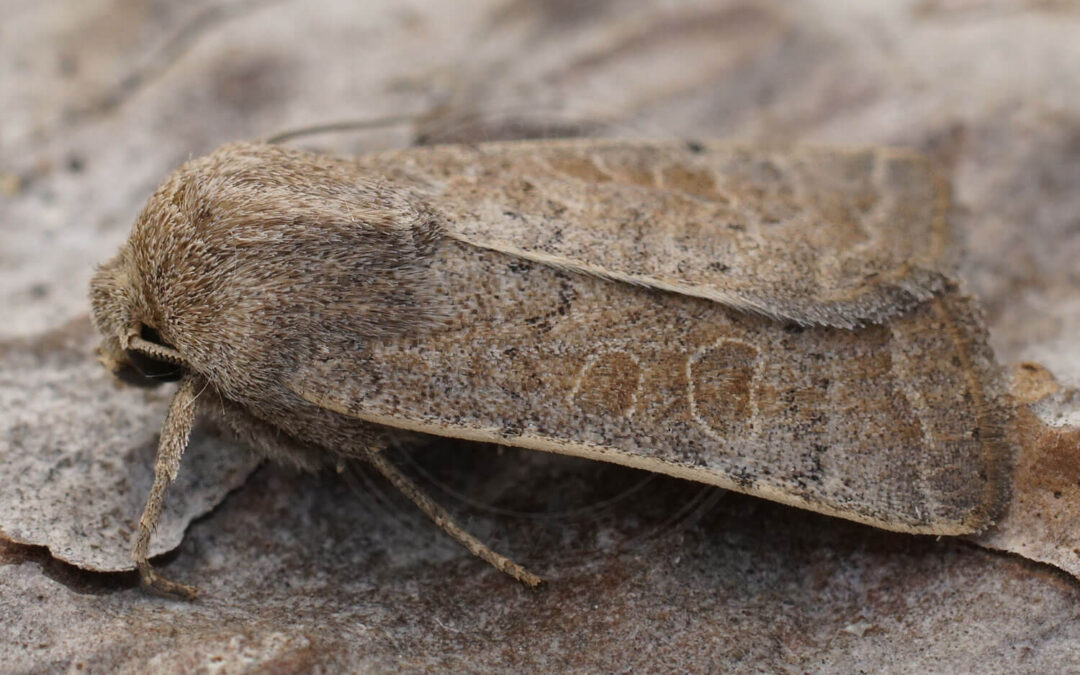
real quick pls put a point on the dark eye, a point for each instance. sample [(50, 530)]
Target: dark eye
[(154, 370)]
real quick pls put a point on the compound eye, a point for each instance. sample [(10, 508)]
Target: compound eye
[(154, 370)]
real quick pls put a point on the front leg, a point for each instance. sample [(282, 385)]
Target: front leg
[(174, 439)]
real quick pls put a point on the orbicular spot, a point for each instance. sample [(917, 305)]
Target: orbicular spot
[(720, 386), (608, 385)]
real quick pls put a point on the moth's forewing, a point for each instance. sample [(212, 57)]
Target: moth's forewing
[(816, 235), (896, 425)]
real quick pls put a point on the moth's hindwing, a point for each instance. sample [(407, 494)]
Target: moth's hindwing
[(816, 235), (897, 425)]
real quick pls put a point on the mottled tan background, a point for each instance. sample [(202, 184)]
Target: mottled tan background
[(100, 98)]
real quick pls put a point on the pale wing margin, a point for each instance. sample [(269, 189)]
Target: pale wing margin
[(815, 235)]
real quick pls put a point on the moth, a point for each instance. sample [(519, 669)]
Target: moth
[(780, 321)]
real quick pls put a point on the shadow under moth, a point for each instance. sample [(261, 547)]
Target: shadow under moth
[(779, 321)]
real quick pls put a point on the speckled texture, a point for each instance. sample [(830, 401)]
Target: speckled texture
[(301, 572), (898, 425), (819, 235)]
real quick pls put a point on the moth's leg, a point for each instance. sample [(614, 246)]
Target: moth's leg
[(174, 438), (444, 520)]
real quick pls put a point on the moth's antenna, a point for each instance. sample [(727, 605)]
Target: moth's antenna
[(444, 520), (175, 433), (345, 125)]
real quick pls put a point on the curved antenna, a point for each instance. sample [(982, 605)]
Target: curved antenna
[(344, 125)]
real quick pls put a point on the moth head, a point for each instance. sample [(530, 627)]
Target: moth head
[(244, 263), (131, 348)]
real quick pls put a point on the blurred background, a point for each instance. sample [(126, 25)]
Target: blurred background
[(101, 98)]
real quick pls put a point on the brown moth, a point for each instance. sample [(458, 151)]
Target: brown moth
[(777, 321)]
